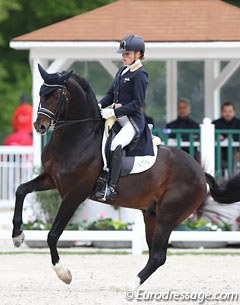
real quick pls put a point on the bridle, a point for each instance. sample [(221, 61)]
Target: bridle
[(54, 117)]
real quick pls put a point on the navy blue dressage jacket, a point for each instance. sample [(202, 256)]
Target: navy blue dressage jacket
[(129, 90)]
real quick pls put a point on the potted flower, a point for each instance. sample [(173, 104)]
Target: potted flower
[(108, 224), (193, 224)]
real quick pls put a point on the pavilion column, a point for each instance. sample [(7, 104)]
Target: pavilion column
[(211, 93), (214, 79), (172, 90), (109, 66)]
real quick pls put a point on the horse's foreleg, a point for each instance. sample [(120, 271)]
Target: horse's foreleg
[(40, 183), (65, 213)]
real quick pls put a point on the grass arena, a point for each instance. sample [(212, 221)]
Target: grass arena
[(107, 278)]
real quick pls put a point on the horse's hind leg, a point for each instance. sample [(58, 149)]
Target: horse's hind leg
[(173, 208), (149, 221), (158, 250), (40, 183)]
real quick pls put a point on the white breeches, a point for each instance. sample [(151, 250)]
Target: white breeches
[(125, 135)]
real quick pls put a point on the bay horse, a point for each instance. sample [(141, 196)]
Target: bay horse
[(167, 193)]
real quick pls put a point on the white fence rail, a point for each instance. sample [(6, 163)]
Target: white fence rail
[(16, 167), (135, 237)]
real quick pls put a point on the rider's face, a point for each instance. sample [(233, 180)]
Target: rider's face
[(128, 58)]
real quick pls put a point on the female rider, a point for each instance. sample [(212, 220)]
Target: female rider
[(127, 95)]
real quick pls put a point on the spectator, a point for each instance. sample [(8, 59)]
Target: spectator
[(20, 137), (228, 121), (22, 124), (22, 118), (184, 121)]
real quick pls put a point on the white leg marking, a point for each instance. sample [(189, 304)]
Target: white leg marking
[(137, 284), (63, 273), (18, 240)]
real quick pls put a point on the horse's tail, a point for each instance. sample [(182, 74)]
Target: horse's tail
[(228, 193)]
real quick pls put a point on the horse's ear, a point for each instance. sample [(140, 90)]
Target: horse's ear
[(43, 73), (65, 77)]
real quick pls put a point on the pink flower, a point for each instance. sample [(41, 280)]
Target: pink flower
[(102, 215), (85, 216), (215, 220), (31, 218)]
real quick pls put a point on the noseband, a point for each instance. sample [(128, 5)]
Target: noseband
[(54, 117)]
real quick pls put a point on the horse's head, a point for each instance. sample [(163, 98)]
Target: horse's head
[(53, 99)]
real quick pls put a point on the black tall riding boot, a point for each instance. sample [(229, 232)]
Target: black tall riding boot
[(109, 192)]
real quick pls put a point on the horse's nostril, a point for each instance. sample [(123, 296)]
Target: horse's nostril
[(42, 127)]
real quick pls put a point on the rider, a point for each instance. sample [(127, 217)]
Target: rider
[(126, 96)]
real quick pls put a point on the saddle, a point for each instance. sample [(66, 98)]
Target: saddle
[(130, 165)]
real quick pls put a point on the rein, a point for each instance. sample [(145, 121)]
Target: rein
[(59, 124)]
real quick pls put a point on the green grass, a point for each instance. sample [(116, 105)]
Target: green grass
[(203, 253), (66, 252), (99, 252)]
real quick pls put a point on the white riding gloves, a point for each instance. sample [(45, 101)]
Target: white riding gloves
[(107, 113)]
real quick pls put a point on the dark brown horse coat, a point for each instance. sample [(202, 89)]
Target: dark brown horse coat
[(167, 193)]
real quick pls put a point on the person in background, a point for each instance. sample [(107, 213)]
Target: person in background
[(22, 117), (228, 120), (22, 124), (19, 137), (184, 121)]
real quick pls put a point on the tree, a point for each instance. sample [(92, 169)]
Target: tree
[(19, 17), (233, 2)]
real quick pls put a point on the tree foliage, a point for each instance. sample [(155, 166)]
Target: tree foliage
[(18, 17)]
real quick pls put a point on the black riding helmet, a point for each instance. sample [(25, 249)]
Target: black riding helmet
[(132, 43)]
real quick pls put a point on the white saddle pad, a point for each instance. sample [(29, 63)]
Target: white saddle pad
[(141, 163)]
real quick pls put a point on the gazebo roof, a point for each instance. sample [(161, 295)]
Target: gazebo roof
[(155, 20)]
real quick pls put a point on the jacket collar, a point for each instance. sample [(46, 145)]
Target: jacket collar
[(135, 66)]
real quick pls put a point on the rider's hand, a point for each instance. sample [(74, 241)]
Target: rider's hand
[(107, 113), (99, 106), (117, 105)]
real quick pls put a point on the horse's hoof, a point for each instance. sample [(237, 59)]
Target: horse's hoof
[(63, 273), (136, 284), (18, 240)]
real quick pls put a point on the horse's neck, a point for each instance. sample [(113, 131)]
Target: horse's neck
[(81, 105)]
